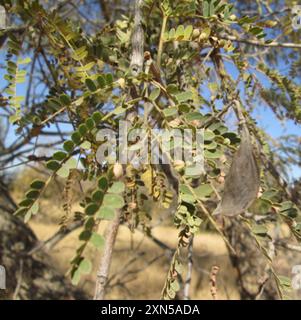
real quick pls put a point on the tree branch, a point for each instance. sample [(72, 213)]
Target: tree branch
[(105, 262), (263, 44)]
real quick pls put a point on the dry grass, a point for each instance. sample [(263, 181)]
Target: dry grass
[(140, 266)]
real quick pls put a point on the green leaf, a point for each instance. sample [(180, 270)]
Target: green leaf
[(86, 67), (37, 184), (26, 203), (80, 53), (210, 146), (232, 136), (65, 99), (89, 224), (82, 129), (154, 94), (91, 209), (27, 216), (53, 165), (216, 154), (119, 110), (188, 198), (286, 205), (24, 61), (32, 194), (97, 240), (188, 31), (90, 84), (172, 33), (271, 195), (194, 170), (260, 230), (79, 101), (14, 118), (86, 145), (261, 206), (185, 189), (203, 191), (184, 107), (101, 81), (172, 89), (76, 137), (97, 196), (85, 235), (85, 266), (184, 96), (170, 112), (35, 208), (97, 117), (71, 163), (117, 187), (179, 32), (68, 146), (113, 201), (206, 9), (103, 183), (90, 123), (109, 79), (105, 213), (59, 155), (194, 116), (208, 135), (256, 30), (21, 212), (289, 209), (63, 172)]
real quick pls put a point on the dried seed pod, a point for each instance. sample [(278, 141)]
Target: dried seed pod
[(243, 180)]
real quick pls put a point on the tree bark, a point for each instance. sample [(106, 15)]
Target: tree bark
[(250, 264), (29, 277), (105, 262)]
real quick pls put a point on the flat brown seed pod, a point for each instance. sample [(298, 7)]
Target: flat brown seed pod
[(243, 180)]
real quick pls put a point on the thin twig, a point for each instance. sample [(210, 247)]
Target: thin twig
[(161, 41), (19, 283), (263, 44), (213, 286), (187, 283)]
